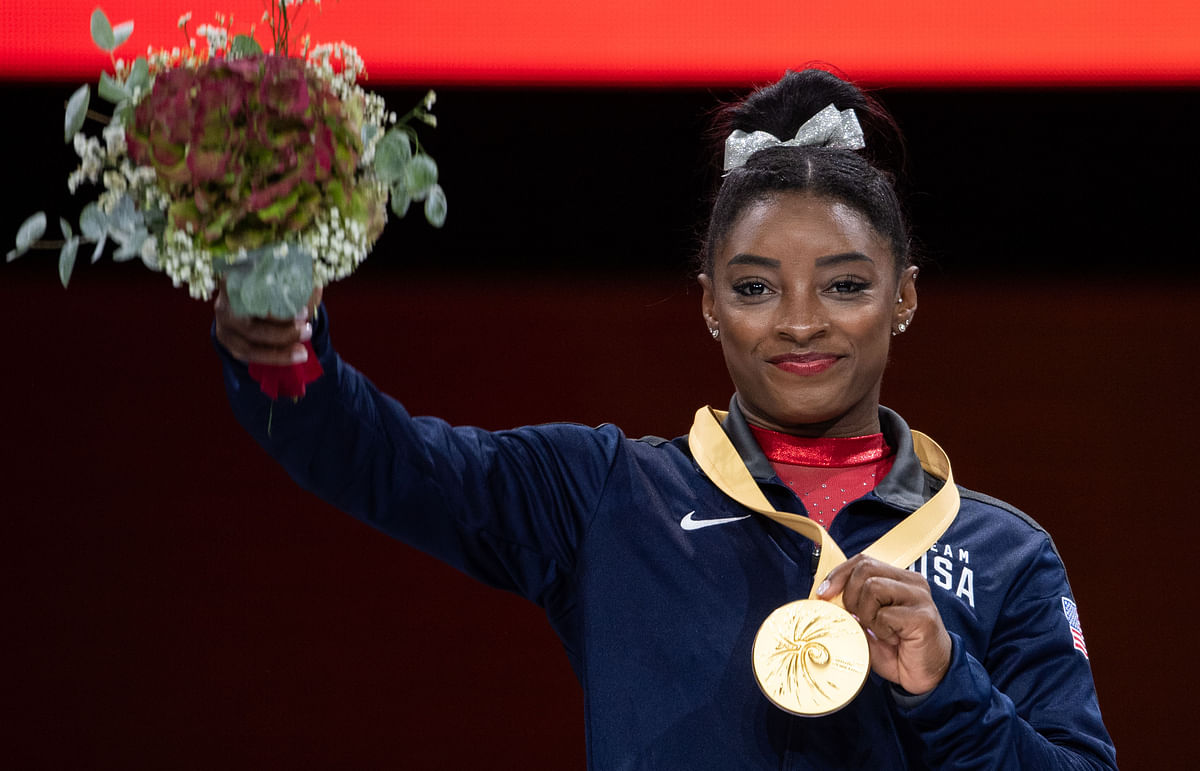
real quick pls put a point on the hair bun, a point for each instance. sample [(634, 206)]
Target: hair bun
[(782, 107)]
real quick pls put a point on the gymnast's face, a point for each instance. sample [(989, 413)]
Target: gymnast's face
[(806, 295)]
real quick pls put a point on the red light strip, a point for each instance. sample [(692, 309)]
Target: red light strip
[(698, 42)]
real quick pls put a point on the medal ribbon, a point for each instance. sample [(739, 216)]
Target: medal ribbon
[(900, 546)]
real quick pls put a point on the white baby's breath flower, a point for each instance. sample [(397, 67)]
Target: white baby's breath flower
[(91, 167), (115, 182), (114, 139), (186, 264), (107, 201)]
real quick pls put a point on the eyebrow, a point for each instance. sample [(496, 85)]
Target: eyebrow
[(829, 259), (835, 259), (754, 259)]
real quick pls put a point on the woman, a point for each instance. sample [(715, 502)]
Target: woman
[(657, 580)]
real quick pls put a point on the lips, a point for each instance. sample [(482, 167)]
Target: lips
[(804, 363)]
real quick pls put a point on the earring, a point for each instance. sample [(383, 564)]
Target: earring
[(716, 333), (899, 330)]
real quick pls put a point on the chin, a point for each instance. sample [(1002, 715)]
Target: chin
[(794, 415)]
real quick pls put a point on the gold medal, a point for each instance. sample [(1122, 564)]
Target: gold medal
[(810, 657)]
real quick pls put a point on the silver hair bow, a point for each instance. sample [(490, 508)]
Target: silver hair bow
[(830, 127)]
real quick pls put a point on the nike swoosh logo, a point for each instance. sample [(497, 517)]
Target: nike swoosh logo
[(688, 523)]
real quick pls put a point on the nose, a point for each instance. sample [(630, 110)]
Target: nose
[(800, 317)]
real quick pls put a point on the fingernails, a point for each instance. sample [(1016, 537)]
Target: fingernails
[(301, 317), (306, 333), (300, 355), (824, 587)]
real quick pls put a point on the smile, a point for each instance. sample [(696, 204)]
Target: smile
[(804, 363)]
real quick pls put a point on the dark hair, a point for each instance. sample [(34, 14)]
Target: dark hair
[(864, 180)]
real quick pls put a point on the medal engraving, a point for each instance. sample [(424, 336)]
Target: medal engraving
[(810, 657)]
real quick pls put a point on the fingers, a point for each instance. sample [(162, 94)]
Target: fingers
[(871, 586), (263, 340), (909, 642)]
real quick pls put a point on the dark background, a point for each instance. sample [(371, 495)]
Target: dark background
[(173, 601)]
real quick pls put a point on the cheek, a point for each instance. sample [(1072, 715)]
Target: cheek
[(873, 333), (741, 329)]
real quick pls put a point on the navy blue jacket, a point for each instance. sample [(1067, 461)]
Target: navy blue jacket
[(658, 620)]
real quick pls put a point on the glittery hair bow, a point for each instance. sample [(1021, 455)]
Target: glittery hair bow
[(830, 127)]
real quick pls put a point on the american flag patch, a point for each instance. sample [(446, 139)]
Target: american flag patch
[(1072, 614)]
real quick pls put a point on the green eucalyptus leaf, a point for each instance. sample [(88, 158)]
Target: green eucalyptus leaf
[(400, 199), (367, 133), (269, 284), (92, 222), (125, 217), (121, 32), (435, 206), (99, 250), (66, 228), (66, 259), (131, 245), (139, 76), (150, 257), (392, 156), (111, 89), (77, 107), (30, 231), (420, 175), (244, 47), (125, 226), (102, 32), (123, 113)]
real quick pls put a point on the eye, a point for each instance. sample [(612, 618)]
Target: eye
[(849, 285), (750, 288)]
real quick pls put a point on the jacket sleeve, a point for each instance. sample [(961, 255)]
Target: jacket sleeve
[(506, 507), (1031, 703)]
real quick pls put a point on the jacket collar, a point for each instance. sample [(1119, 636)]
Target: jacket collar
[(905, 487)]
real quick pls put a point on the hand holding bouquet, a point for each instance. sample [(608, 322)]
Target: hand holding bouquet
[(268, 171)]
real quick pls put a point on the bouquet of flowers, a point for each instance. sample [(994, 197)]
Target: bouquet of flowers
[(270, 171)]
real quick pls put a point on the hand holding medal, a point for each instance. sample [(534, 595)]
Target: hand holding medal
[(811, 656), (909, 644)]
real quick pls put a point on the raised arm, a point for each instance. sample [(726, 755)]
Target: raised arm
[(505, 507)]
